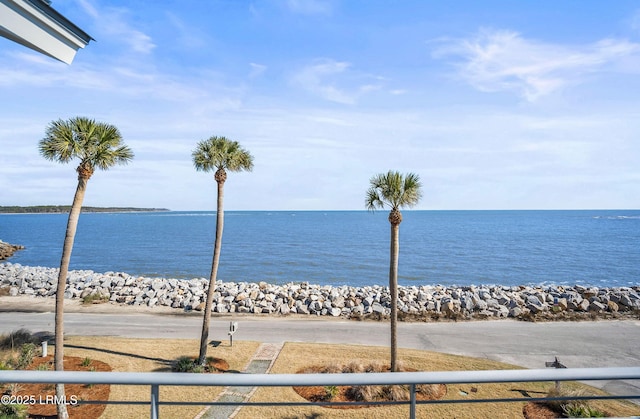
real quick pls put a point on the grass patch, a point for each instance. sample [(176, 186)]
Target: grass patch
[(296, 356), (94, 299), (149, 355), (154, 355)]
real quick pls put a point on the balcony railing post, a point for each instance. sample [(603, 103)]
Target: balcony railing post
[(155, 396), (412, 412)]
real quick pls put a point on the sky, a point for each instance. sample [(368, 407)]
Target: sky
[(494, 104)]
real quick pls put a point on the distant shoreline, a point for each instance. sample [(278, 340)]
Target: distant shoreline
[(64, 209)]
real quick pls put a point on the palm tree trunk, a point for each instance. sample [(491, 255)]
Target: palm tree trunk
[(393, 289), (72, 225), (214, 273)]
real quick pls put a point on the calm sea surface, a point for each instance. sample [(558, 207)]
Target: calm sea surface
[(600, 248)]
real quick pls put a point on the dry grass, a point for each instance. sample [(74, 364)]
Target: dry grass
[(146, 355), (297, 356), (364, 393)]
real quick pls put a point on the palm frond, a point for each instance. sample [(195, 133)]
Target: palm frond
[(372, 200), (59, 143), (220, 152), (95, 144), (394, 190)]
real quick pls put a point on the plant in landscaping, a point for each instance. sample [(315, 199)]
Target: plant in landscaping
[(16, 339), (221, 154), (579, 409), (353, 367), (372, 393), (362, 393), (394, 393), (13, 388), (395, 191), (331, 392), (13, 411), (187, 364), (86, 362), (96, 145), (91, 369), (572, 408), (27, 352)]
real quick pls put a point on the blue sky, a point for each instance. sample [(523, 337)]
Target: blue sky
[(495, 104)]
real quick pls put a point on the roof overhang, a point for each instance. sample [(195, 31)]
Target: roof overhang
[(36, 25)]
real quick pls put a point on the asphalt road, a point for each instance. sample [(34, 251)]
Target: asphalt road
[(530, 345)]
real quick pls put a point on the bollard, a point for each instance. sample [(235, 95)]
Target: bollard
[(44, 348), (233, 326)]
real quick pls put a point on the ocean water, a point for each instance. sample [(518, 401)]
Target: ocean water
[(599, 248)]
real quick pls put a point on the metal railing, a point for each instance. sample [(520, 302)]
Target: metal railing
[(411, 379)]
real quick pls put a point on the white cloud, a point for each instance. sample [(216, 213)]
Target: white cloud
[(113, 23), (314, 78), (469, 154), (89, 8), (335, 81), (496, 61), (256, 70), (126, 82), (189, 36)]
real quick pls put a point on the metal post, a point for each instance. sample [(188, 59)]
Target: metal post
[(233, 326), (155, 398), (412, 412), (555, 364)]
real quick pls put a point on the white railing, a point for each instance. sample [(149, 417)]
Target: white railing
[(412, 379)]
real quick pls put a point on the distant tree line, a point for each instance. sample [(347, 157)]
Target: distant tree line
[(38, 209)]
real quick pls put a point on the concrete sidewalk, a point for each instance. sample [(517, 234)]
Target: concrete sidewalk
[(261, 363)]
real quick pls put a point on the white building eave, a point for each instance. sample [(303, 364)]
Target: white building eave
[(36, 25)]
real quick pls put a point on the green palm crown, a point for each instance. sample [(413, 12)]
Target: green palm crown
[(394, 190), (96, 144)]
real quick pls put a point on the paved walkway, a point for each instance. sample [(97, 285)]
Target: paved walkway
[(261, 363)]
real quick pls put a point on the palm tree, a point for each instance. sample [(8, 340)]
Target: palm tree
[(221, 154), (97, 145), (396, 191)]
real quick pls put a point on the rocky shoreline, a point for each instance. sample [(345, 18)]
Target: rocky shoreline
[(7, 250), (428, 302)]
